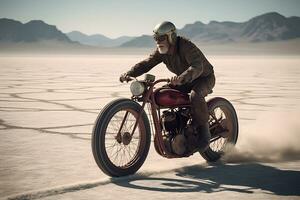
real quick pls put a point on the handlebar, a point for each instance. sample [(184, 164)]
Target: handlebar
[(162, 80), (130, 78)]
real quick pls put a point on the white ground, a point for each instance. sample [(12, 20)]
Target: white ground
[(48, 105)]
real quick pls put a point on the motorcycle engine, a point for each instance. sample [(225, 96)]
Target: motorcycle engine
[(174, 123)]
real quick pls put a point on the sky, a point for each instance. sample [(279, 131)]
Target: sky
[(114, 18)]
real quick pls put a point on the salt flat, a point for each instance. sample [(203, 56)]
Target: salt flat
[(48, 105)]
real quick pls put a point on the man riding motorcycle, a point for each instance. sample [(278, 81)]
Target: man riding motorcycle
[(195, 75)]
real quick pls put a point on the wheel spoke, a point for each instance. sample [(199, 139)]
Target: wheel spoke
[(218, 143), (114, 155), (112, 146)]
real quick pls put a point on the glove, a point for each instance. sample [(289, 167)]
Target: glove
[(124, 77), (176, 80)]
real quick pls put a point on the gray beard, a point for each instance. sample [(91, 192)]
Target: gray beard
[(163, 50)]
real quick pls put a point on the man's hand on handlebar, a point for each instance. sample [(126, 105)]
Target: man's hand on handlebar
[(176, 80), (125, 77)]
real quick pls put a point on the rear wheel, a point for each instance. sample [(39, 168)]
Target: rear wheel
[(121, 154), (223, 123)]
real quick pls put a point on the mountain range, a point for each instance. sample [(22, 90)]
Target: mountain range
[(97, 39), (33, 31), (267, 27)]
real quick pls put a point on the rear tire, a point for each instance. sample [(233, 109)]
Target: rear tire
[(213, 154), (111, 117)]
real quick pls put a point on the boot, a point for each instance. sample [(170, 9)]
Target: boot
[(204, 137)]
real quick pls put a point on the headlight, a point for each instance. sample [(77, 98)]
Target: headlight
[(137, 88)]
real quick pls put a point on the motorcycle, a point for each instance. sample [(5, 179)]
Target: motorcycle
[(122, 134)]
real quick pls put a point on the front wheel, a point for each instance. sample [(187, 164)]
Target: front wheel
[(116, 152), (223, 123)]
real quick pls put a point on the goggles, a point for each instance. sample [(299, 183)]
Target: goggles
[(160, 38)]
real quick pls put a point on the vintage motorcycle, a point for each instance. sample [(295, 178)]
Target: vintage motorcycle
[(121, 135)]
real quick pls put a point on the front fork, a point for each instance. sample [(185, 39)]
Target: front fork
[(119, 135)]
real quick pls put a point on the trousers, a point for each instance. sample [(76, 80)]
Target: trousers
[(198, 90)]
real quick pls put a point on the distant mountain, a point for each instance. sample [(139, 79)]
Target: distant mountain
[(267, 27), (33, 31), (97, 39), (142, 41), (271, 27)]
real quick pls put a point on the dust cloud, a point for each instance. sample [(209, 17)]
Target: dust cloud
[(273, 137)]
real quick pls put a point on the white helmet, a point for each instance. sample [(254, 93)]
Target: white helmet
[(165, 28)]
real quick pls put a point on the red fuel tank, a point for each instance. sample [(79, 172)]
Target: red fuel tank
[(167, 97)]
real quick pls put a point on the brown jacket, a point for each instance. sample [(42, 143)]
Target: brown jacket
[(187, 61)]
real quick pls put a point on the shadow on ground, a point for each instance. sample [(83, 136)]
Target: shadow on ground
[(243, 178)]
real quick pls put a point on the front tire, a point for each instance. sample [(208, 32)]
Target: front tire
[(226, 115), (122, 155)]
